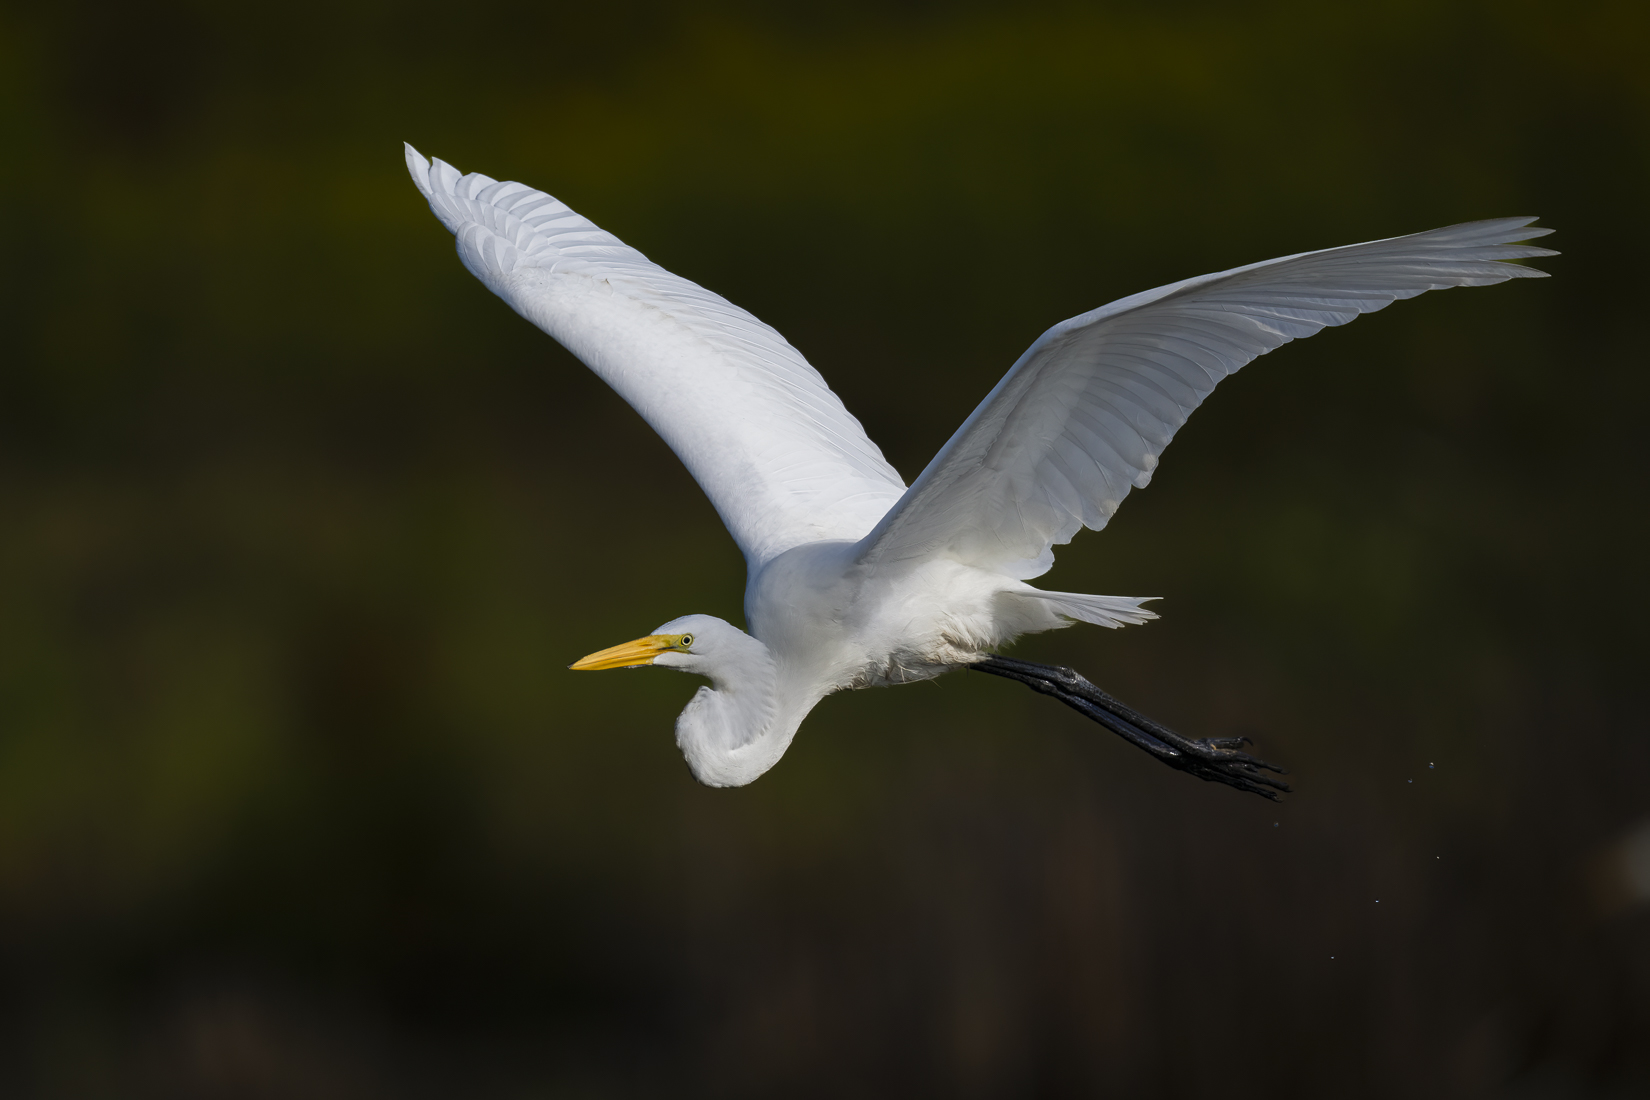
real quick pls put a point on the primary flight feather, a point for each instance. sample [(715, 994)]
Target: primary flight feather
[(855, 580)]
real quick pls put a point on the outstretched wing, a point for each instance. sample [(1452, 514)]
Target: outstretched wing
[(773, 448), (1086, 411)]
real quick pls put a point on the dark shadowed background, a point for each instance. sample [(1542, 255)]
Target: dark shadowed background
[(301, 526)]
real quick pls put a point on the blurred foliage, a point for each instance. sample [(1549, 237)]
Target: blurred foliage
[(302, 525)]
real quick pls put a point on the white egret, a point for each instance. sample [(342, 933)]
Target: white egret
[(855, 580)]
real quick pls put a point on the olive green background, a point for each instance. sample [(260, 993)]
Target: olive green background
[(299, 527)]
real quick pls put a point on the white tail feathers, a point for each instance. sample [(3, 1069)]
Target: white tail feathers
[(1109, 611)]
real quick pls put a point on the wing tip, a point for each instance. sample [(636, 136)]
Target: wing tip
[(1515, 232), (418, 168), (1531, 231), (1508, 230)]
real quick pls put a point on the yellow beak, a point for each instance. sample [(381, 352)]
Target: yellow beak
[(640, 652)]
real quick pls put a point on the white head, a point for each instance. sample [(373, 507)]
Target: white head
[(727, 732), (693, 643)]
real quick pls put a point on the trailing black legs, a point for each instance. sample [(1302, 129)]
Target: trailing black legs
[(1219, 760)]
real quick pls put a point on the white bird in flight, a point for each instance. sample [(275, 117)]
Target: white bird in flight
[(854, 579)]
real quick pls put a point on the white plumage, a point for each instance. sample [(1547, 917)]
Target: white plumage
[(855, 580)]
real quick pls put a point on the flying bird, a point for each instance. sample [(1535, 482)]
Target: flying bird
[(855, 579)]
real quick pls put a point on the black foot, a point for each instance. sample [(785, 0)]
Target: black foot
[(1216, 759)]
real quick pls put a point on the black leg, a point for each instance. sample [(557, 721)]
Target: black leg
[(1219, 760)]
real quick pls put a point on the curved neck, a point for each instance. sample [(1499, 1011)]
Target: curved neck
[(733, 732)]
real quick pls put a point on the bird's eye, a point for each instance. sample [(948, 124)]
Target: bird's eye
[(687, 641)]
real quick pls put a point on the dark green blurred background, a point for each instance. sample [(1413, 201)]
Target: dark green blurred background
[(301, 526)]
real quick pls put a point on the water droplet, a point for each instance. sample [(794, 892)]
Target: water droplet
[(1432, 765), (1274, 824), (1409, 780)]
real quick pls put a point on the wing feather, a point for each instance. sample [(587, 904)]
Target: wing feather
[(780, 458), (1086, 412)]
